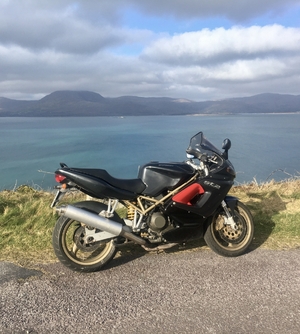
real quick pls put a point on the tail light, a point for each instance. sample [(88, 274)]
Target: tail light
[(59, 178)]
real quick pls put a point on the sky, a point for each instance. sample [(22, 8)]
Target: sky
[(191, 49)]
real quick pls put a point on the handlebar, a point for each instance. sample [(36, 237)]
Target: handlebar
[(202, 167), (204, 162)]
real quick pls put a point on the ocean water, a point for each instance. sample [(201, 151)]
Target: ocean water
[(263, 146)]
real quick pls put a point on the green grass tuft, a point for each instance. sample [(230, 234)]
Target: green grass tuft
[(276, 211)]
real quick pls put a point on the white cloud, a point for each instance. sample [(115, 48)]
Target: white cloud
[(219, 45), (63, 44), (59, 31), (238, 57)]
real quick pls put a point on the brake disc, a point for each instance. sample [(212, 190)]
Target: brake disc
[(227, 233)]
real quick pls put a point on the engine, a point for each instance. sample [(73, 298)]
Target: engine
[(157, 222)]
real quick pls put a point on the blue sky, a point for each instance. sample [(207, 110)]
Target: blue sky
[(169, 23), (193, 49)]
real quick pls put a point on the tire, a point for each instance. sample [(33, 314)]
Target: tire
[(72, 251), (225, 241)]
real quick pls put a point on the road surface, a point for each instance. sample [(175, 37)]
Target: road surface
[(191, 291)]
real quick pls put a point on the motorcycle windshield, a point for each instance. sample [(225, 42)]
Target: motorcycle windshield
[(200, 145)]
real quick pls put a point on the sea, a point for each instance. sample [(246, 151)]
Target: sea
[(264, 146)]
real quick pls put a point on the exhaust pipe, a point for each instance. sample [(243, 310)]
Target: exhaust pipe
[(101, 223)]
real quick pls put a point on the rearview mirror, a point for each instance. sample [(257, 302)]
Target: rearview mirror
[(226, 146)]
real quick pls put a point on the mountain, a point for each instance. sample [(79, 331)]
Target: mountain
[(85, 103)]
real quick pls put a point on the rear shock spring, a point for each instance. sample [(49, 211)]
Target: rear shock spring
[(130, 212)]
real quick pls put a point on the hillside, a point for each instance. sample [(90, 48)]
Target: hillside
[(85, 103)]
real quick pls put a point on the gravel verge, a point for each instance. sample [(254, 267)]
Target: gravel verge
[(174, 292)]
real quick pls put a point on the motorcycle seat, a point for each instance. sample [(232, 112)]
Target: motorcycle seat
[(136, 186)]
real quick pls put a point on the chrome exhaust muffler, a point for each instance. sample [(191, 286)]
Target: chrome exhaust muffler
[(101, 223)]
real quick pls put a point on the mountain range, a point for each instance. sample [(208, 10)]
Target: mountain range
[(86, 103)]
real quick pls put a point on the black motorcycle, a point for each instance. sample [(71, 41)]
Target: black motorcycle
[(168, 204)]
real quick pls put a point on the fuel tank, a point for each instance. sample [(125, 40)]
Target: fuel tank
[(161, 176)]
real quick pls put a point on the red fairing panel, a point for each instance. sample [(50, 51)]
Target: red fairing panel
[(187, 194)]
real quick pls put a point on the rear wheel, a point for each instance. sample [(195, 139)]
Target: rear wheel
[(74, 252), (226, 241)]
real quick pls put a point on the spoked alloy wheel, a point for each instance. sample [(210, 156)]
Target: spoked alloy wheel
[(73, 251), (225, 240)]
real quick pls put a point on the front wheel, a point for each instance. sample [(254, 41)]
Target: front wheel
[(226, 241), (71, 249)]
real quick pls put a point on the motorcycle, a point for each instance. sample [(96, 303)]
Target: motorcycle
[(168, 204)]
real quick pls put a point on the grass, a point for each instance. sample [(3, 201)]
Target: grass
[(27, 221), (276, 211)]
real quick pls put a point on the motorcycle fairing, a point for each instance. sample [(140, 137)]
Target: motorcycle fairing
[(192, 226), (160, 177), (100, 184), (205, 202), (187, 194)]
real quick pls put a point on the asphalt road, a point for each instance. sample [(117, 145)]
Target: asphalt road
[(176, 292)]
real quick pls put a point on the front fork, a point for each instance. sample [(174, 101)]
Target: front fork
[(229, 221)]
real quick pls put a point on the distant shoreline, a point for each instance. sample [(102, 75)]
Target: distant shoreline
[(155, 115), (90, 104), (247, 113)]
